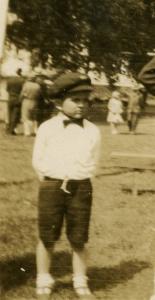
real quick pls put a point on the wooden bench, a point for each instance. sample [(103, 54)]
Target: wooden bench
[(135, 162)]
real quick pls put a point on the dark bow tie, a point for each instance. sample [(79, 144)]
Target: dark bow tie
[(78, 122)]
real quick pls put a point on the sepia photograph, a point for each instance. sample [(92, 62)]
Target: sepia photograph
[(77, 150)]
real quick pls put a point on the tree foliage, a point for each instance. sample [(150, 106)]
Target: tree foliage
[(63, 29)]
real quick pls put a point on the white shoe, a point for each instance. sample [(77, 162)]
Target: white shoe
[(44, 286)]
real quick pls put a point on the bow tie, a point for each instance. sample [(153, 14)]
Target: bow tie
[(78, 122)]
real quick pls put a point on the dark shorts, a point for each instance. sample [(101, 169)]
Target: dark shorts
[(55, 205)]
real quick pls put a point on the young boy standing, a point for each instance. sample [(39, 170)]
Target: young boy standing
[(64, 157)]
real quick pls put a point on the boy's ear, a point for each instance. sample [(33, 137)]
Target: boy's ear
[(58, 104)]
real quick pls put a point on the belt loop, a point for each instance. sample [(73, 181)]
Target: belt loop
[(64, 185)]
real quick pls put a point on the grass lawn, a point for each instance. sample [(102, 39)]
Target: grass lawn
[(122, 234)]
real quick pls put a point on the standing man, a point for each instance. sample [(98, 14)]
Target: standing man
[(65, 157), (31, 96), (135, 105), (14, 86)]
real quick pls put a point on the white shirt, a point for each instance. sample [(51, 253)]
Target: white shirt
[(66, 152)]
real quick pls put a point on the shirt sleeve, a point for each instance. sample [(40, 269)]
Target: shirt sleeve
[(39, 152)]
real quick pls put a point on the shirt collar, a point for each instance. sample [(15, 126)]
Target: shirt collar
[(62, 116)]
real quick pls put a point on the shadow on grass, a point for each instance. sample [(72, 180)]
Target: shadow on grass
[(102, 278), (19, 270), (139, 192), (136, 134)]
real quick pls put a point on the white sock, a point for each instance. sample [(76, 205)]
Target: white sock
[(81, 286), (44, 280), (80, 281)]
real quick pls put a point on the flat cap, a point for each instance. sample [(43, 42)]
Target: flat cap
[(70, 82)]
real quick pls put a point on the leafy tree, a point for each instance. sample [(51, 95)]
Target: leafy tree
[(109, 30)]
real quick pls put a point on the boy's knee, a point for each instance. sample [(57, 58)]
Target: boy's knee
[(48, 244), (77, 246)]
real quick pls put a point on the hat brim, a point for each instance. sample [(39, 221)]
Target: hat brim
[(80, 88)]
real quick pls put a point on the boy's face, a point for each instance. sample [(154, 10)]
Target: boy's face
[(76, 106)]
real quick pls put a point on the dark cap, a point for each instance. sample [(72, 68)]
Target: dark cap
[(70, 82)]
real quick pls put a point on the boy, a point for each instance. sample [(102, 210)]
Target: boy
[(64, 157)]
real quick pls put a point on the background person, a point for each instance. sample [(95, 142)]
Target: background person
[(64, 157), (134, 108), (115, 110), (31, 96), (14, 86)]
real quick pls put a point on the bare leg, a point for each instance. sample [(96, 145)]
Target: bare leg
[(44, 280), (79, 262), (113, 128), (43, 258)]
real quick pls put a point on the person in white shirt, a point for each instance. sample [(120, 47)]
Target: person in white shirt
[(115, 110), (65, 156)]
